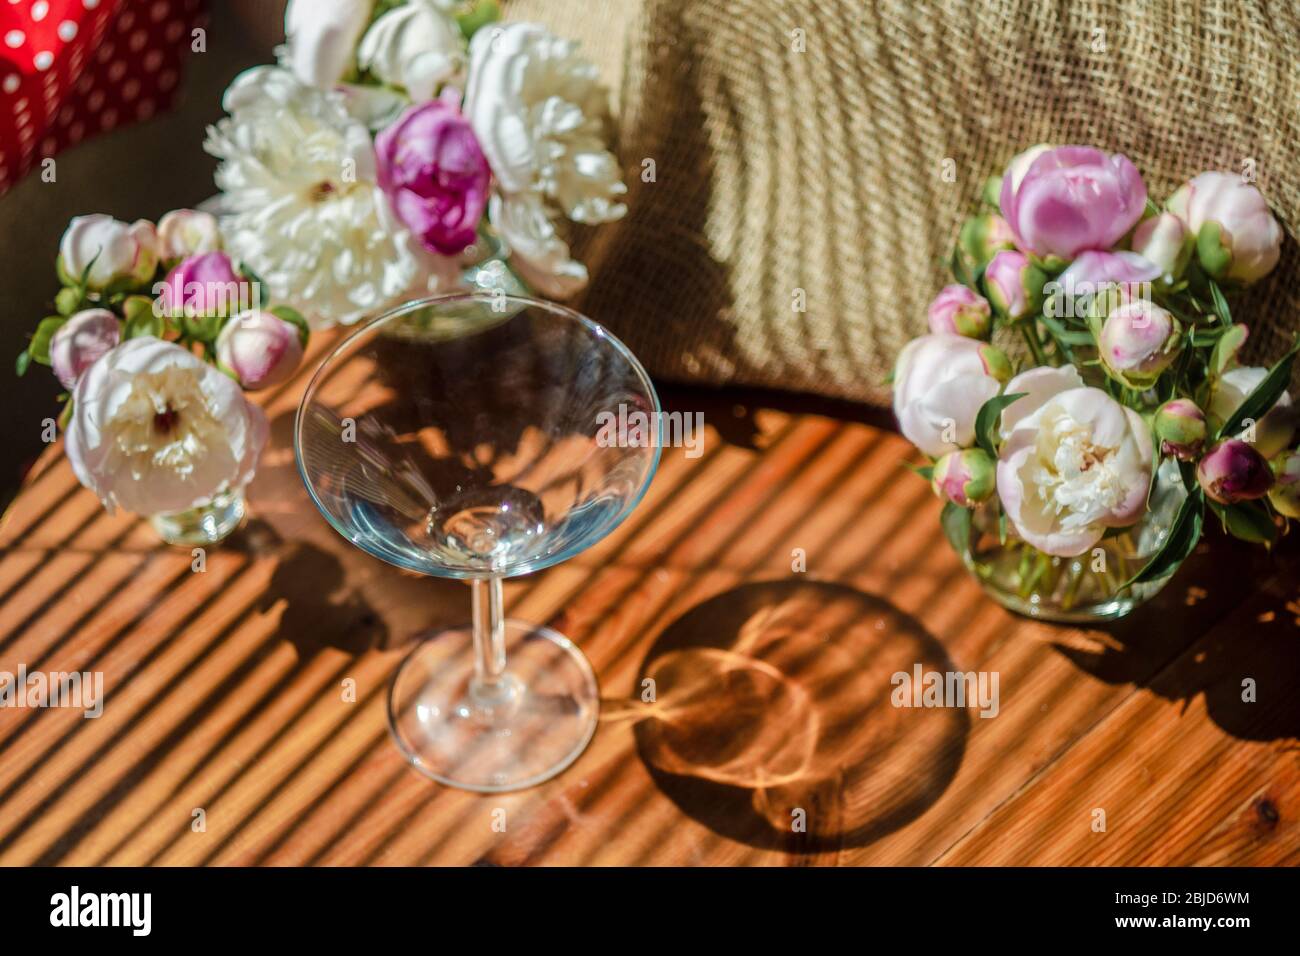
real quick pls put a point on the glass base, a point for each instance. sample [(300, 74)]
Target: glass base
[(206, 524), (525, 730)]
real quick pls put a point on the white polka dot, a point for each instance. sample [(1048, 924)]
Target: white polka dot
[(145, 109), (15, 38), (25, 134), (67, 31), (96, 101), (65, 115), (116, 71), (138, 39), (108, 119), (43, 60), (174, 31), (85, 83), (39, 9), (130, 89), (158, 11), (48, 145), (153, 60), (166, 80), (76, 131), (105, 53), (11, 83), (90, 4), (125, 21), (23, 119)]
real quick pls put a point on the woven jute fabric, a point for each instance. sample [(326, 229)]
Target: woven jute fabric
[(800, 148)]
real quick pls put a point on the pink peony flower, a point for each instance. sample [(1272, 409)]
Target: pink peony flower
[(1237, 236), (1073, 198), (434, 173)]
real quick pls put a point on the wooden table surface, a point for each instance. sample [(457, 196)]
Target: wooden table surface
[(771, 739)]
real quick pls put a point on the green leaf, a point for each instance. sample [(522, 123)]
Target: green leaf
[(986, 422), (1178, 544), (39, 349), (956, 522), (1220, 303), (1248, 521), (1226, 349), (22, 363), (925, 471), (1265, 395), (294, 318)]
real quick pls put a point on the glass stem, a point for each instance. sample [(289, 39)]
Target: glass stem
[(489, 634)]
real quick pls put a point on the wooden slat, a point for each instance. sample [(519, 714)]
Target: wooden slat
[(224, 689)]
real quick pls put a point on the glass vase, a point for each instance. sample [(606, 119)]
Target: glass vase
[(204, 525), (1087, 587)]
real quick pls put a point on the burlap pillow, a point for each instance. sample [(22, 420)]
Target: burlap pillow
[(818, 172)]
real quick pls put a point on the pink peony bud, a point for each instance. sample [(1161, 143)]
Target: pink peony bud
[(433, 170), (1164, 242), (958, 310), (80, 341), (1234, 471), (1014, 285), (1138, 341), (1180, 428), (204, 285), (1236, 235), (108, 253), (260, 348), (1073, 198), (965, 477), (187, 232)]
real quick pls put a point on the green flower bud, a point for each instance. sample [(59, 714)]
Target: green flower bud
[(965, 477), (1285, 493), (1180, 428), (996, 363)]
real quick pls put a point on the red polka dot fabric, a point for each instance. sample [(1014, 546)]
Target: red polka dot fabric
[(72, 68)]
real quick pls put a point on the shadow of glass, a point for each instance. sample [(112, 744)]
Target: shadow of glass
[(771, 720)]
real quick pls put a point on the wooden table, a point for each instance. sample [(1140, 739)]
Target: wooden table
[(771, 739)]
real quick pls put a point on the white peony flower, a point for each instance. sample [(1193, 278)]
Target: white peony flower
[(156, 429), (301, 207), (1075, 462), (417, 46), (540, 114), (320, 36)]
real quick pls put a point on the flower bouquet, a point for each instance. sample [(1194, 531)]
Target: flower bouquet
[(1076, 485), (401, 148), (157, 332), (398, 149)]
